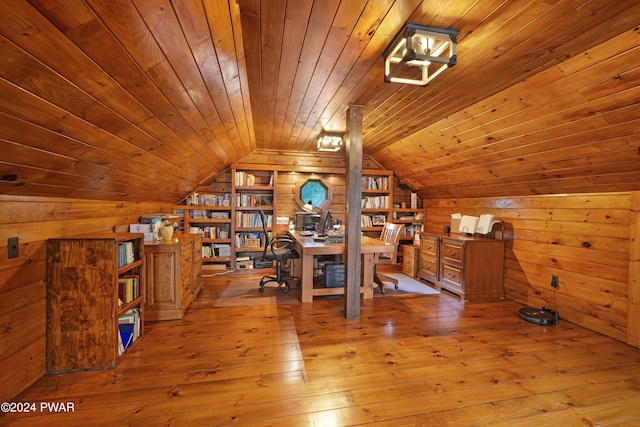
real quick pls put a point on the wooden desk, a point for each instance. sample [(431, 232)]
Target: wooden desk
[(309, 248)]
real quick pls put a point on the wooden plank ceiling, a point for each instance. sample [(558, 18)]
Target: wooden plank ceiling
[(150, 99)]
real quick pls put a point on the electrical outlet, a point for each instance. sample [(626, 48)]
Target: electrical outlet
[(12, 247), (555, 281)]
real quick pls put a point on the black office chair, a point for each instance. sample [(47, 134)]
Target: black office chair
[(280, 249)]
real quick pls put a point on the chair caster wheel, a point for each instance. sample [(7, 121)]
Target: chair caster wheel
[(286, 290), (261, 289), (396, 286)]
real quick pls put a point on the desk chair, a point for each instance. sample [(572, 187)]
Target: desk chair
[(390, 234), (280, 249)]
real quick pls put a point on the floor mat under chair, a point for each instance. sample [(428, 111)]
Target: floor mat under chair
[(406, 286), (247, 292)]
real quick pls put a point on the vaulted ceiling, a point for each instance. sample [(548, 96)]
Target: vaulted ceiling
[(149, 99)]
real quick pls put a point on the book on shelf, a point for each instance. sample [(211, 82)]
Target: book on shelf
[(375, 202), (129, 329), (128, 287), (126, 253), (375, 183), (252, 220)]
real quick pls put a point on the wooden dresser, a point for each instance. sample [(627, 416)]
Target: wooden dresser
[(174, 276), (469, 266)]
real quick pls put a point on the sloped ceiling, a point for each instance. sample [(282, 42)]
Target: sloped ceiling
[(149, 99)]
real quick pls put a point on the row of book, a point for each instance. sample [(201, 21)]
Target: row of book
[(253, 200), (128, 287), (243, 178), (375, 183), (129, 329), (202, 214), (211, 232), (253, 220), (126, 254), (375, 202), (196, 199)]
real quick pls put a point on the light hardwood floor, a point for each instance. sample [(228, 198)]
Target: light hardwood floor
[(408, 361)]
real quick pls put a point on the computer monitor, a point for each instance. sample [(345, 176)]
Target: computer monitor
[(324, 223)]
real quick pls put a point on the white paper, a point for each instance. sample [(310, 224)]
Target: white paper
[(484, 224), (468, 224)]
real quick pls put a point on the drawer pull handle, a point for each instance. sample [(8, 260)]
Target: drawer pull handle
[(451, 275), (429, 247), (188, 259), (428, 267), (451, 253)]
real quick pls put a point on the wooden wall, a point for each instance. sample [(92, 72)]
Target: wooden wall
[(584, 239), (22, 279)]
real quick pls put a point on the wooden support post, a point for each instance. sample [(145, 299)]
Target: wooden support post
[(633, 295), (353, 249)]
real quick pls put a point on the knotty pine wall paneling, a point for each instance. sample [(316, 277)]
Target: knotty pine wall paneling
[(23, 280), (582, 238)]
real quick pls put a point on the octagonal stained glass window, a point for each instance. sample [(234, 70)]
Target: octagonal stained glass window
[(315, 192)]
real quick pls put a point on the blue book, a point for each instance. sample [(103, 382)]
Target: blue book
[(126, 333)]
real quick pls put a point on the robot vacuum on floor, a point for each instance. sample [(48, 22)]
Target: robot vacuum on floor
[(543, 316)]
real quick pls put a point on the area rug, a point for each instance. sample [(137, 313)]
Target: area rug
[(406, 286), (247, 292)]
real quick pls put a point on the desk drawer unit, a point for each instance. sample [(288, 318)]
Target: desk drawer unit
[(410, 260)]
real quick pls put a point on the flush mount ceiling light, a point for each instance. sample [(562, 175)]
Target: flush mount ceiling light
[(419, 54), (329, 141)]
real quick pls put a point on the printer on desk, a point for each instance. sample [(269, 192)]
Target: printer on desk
[(306, 220)]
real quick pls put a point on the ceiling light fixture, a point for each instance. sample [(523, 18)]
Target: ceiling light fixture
[(329, 141), (420, 47)]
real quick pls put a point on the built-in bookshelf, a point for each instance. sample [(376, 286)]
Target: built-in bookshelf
[(213, 223), (253, 195), (413, 220), (95, 300), (377, 193)]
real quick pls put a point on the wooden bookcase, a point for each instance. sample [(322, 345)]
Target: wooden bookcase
[(377, 197), (213, 223), (253, 190), (85, 302)]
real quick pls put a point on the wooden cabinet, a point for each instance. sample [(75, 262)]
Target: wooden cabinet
[(471, 267), (410, 260), (174, 276), (86, 302)]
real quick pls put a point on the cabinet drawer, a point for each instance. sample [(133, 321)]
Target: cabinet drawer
[(429, 245), (410, 267), (452, 275), (428, 268), (452, 252), (409, 251)]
